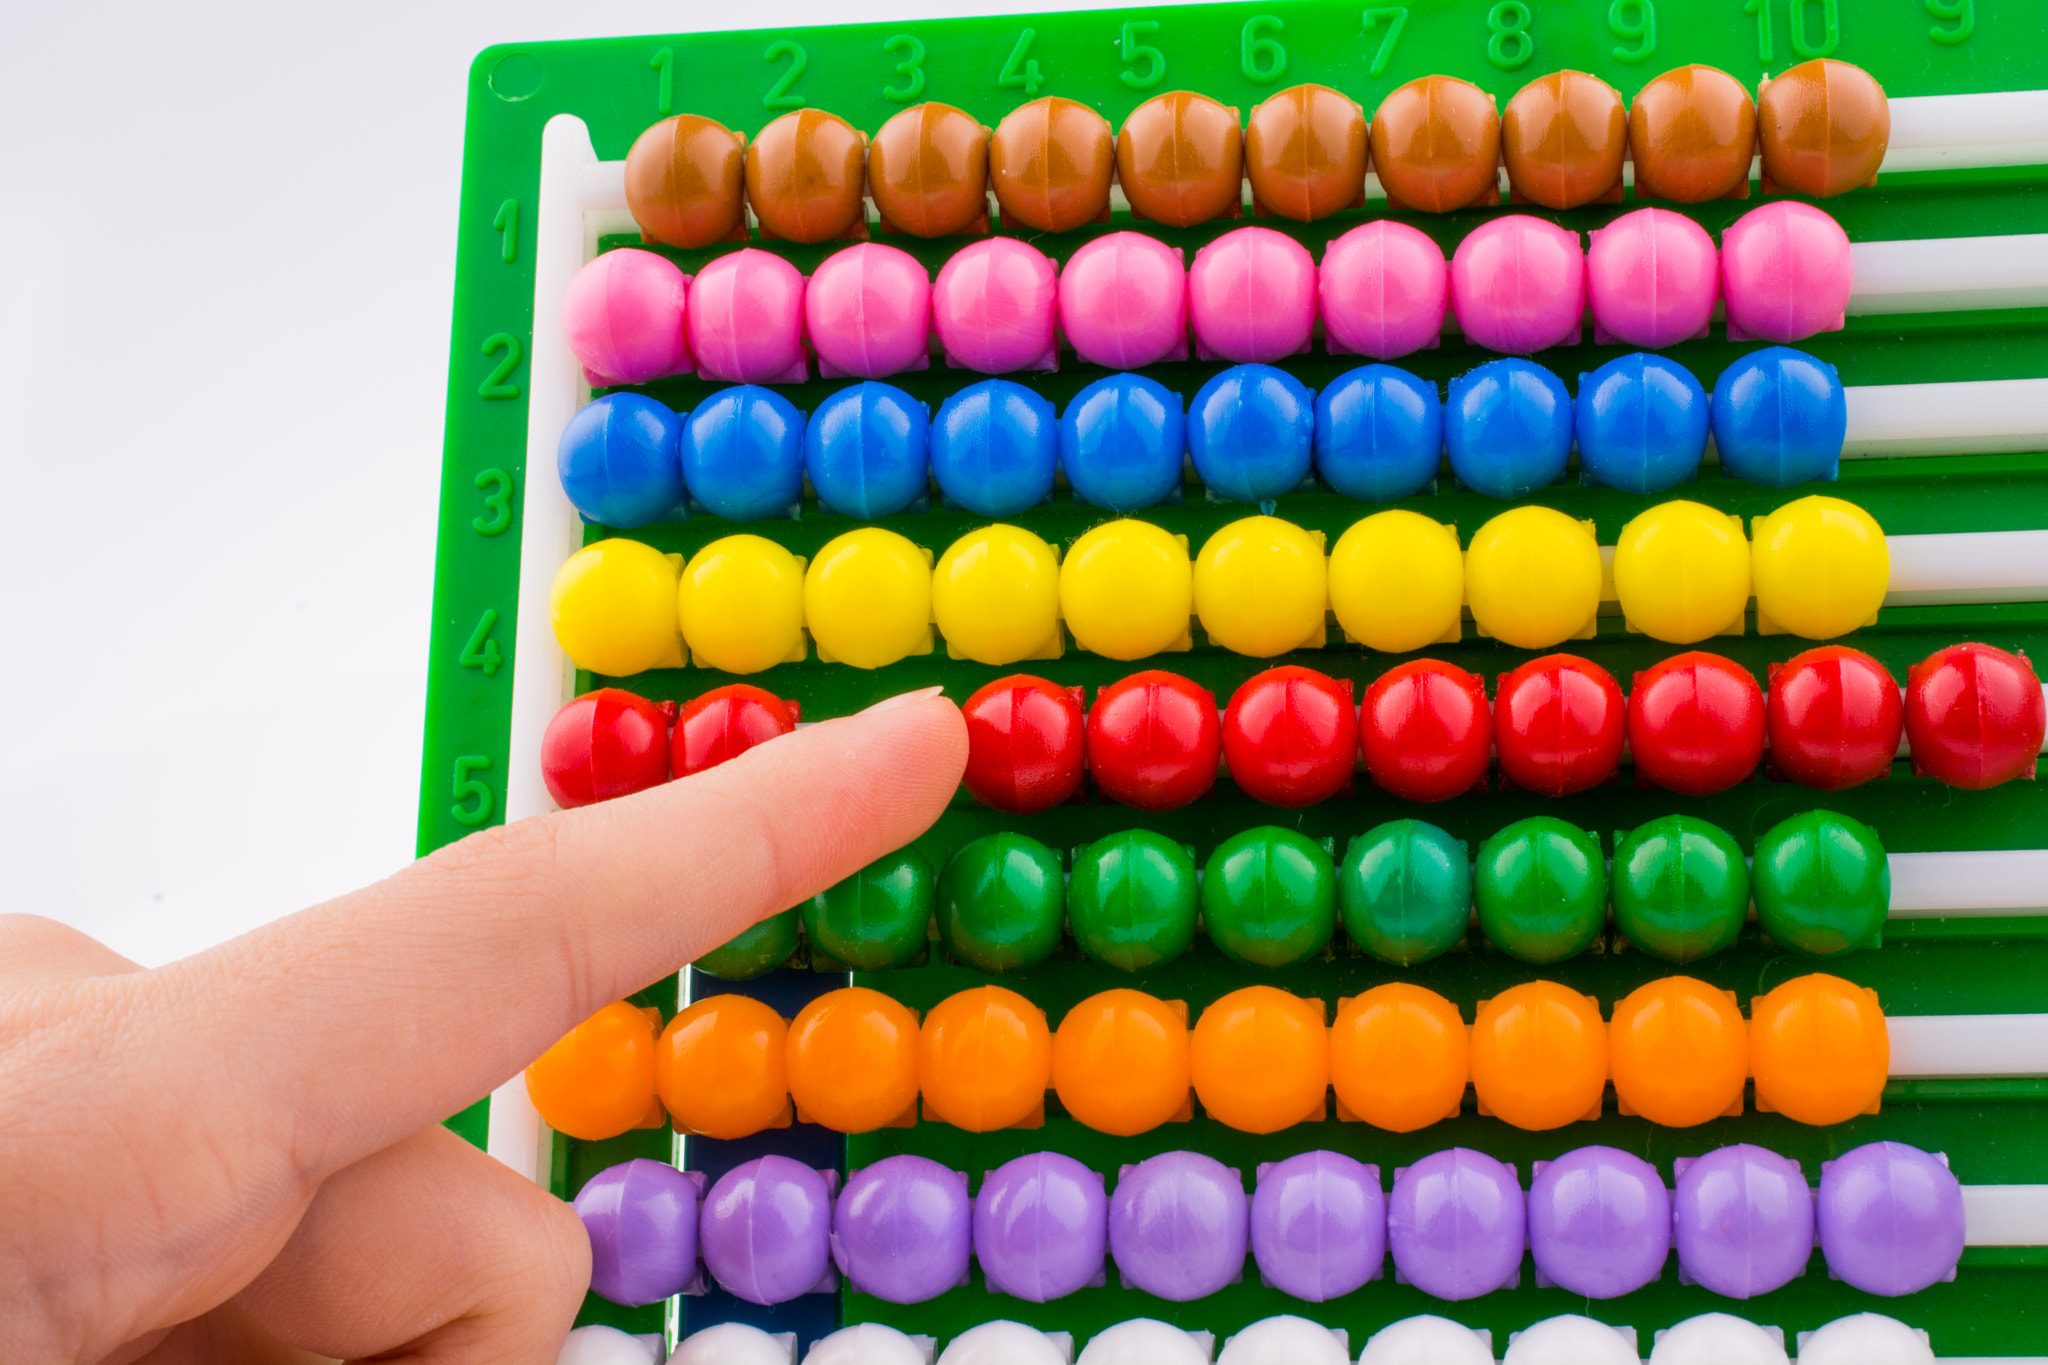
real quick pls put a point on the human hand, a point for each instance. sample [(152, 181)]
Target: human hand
[(238, 1157)]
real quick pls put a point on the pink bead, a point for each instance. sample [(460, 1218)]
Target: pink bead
[(747, 320), (1383, 288), (624, 316), (1785, 272), (1124, 301), (1652, 277), (1518, 285), (868, 313), (1252, 297), (994, 307)]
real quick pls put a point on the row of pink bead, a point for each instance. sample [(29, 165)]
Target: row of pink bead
[(1517, 285)]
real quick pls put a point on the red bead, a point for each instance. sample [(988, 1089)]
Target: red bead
[(1834, 717), (1023, 744), (1290, 736), (1974, 716), (1154, 741), (603, 744), (1425, 731), (1696, 724), (1558, 725), (724, 723)]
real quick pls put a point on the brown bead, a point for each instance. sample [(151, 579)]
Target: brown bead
[(1823, 125), (1563, 136), (1050, 162), (1180, 159), (805, 173), (1304, 152), (683, 181), (1692, 133), (928, 171), (1436, 145)]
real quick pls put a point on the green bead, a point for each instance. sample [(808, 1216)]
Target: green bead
[(752, 952), (1001, 903), (1823, 885), (1681, 890), (1542, 889), (1132, 900), (1406, 892), (1269, 897), (876, 919)]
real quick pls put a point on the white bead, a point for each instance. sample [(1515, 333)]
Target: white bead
[(1866, 1339), (865, 1343), (608, 1346), (1143, 1341), (1570, 1340), (1002, 1343), (734, 1343), (1284, 1340), (1425, 1340), (1717, 1339)]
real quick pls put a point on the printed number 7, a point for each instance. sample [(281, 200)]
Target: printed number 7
[(1398, 15)]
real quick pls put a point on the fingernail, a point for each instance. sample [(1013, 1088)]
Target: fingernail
[(904, 699)]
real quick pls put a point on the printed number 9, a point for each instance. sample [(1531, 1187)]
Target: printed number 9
[(1633, 19), (1963, 13)]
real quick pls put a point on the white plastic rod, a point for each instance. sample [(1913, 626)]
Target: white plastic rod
[(1968, 1046), (1944, 274), (1968, 566), (1971, 417), (2005, 1215), (1959, 132), (2006, 881)]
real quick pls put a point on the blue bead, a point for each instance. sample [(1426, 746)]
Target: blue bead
[(1122, 442), (995, 445), (1508, 428), (867, 450), (1779, 418), (743, 454), (621, 461), (1642, 424), (1379, 433), (1250, 430)]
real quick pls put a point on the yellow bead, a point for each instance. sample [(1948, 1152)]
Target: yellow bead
[(741, 603), (614, 608), (1126, 589), (1822, 568), (1397, 581), (1261, 587), (868, 599), (1532, 576), (1681, 571), (996, 596)]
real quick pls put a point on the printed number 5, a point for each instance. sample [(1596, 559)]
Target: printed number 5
[(473, 800), (1134, 51)]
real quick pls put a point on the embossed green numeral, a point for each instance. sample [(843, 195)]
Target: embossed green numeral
[(507, 224), (1397, 19), (1510, 46), (1021, 71), (496, 486), (509, 352), (482, 651), (1962, 13), (1635, 19), (664, 61), (782, 94), (911, 68), (1830, 29), (1259, 55), (1132, 51), (473, 800), (1762, 10)]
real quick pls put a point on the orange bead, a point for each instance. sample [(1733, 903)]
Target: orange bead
[(1120, 1062), (984, 1057), (852, 1060), (1399, 1057), (1262, 1059), (1539, 1056), (1679, 1051), (598, 1082), (1819, 1049), (719, 1069)]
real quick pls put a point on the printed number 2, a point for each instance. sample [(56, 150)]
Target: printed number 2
[(482, 651), (509, 352), (473, 800), (1397, 17), (782, 94)]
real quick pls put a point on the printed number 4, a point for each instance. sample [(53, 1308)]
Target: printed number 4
[(482, 651), (1021, 72)]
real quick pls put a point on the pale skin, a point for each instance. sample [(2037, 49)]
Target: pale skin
[(238, 1157)]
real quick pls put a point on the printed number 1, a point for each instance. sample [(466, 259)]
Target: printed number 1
[(1397, 17), (473, 800), (507, 224), (1762, 10), (664, 61)]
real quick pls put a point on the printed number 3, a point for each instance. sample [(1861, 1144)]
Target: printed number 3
[(911, 68), (496, 486)]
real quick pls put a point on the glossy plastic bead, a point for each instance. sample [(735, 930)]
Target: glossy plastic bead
[(1154, 741), (1252, 297), (1127, 590), (1144, 1341), (1821, 568), (1435, 143), (1382, 291), (984, 1058), (1002, 1343), (1426, 1340), (995, 445), (718, 1067), (723, 724), (1050, 164), (683, 181), (1405, 892), (1823, 885), (1508, 428), (1379, 434), (1834, 717), (598, 1080), (1569, 1339), (868, 599), (1696, 724), (1250, 430), (867, 450), (851, 1060), (1539, 1056), (1562, 137), (902, 1229), (766, 1230), (1785, 272), (604, 744), (743, 454), (1681, 570), (641, 1216), (1518, 285), (1599, 1222), (996, 595), (1180, 159), (867, 311), (1558, 725), (1679, 1053), (1652, 279), (1023, 745), (1681, 889), (1532, 577), (1124, 302), (1717, 1339), (804, 173), (877, 918), (1641, 423), (1122, 442), (1261, 587), (1866, 1339), (624, 318), (1131, 902), (1779, 418), (928, 171), (1425, 731), (1691, 134), (864, 1343), (620, 461), (1397, 581), (754, 951), (1041, 1227), (1290, 736), (613, 608), (1822, 127), (1541, 887), (1285, 1340), (1456, 1223), (741, 603), (994, 306), (1399, 1057), (1890, 1218), (1261, 1060), (746, 320), (1002, 901), (1742, 1220), (1179, 1225), (1269, 897), (1318, 1226), (1974, 716), (1121, 1062), (1304, 153), (1818, 1049)]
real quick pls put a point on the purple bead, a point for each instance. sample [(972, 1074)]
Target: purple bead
[(901, 1229), (1041, 1226), (1599, 1222), (1743, 1219), (642, 1219), (767, 1228), (1319, 1225), (1177, 1225), (1456, 1224), (1891, 1219)]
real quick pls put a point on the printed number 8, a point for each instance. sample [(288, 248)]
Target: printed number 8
[(1511, 45)]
